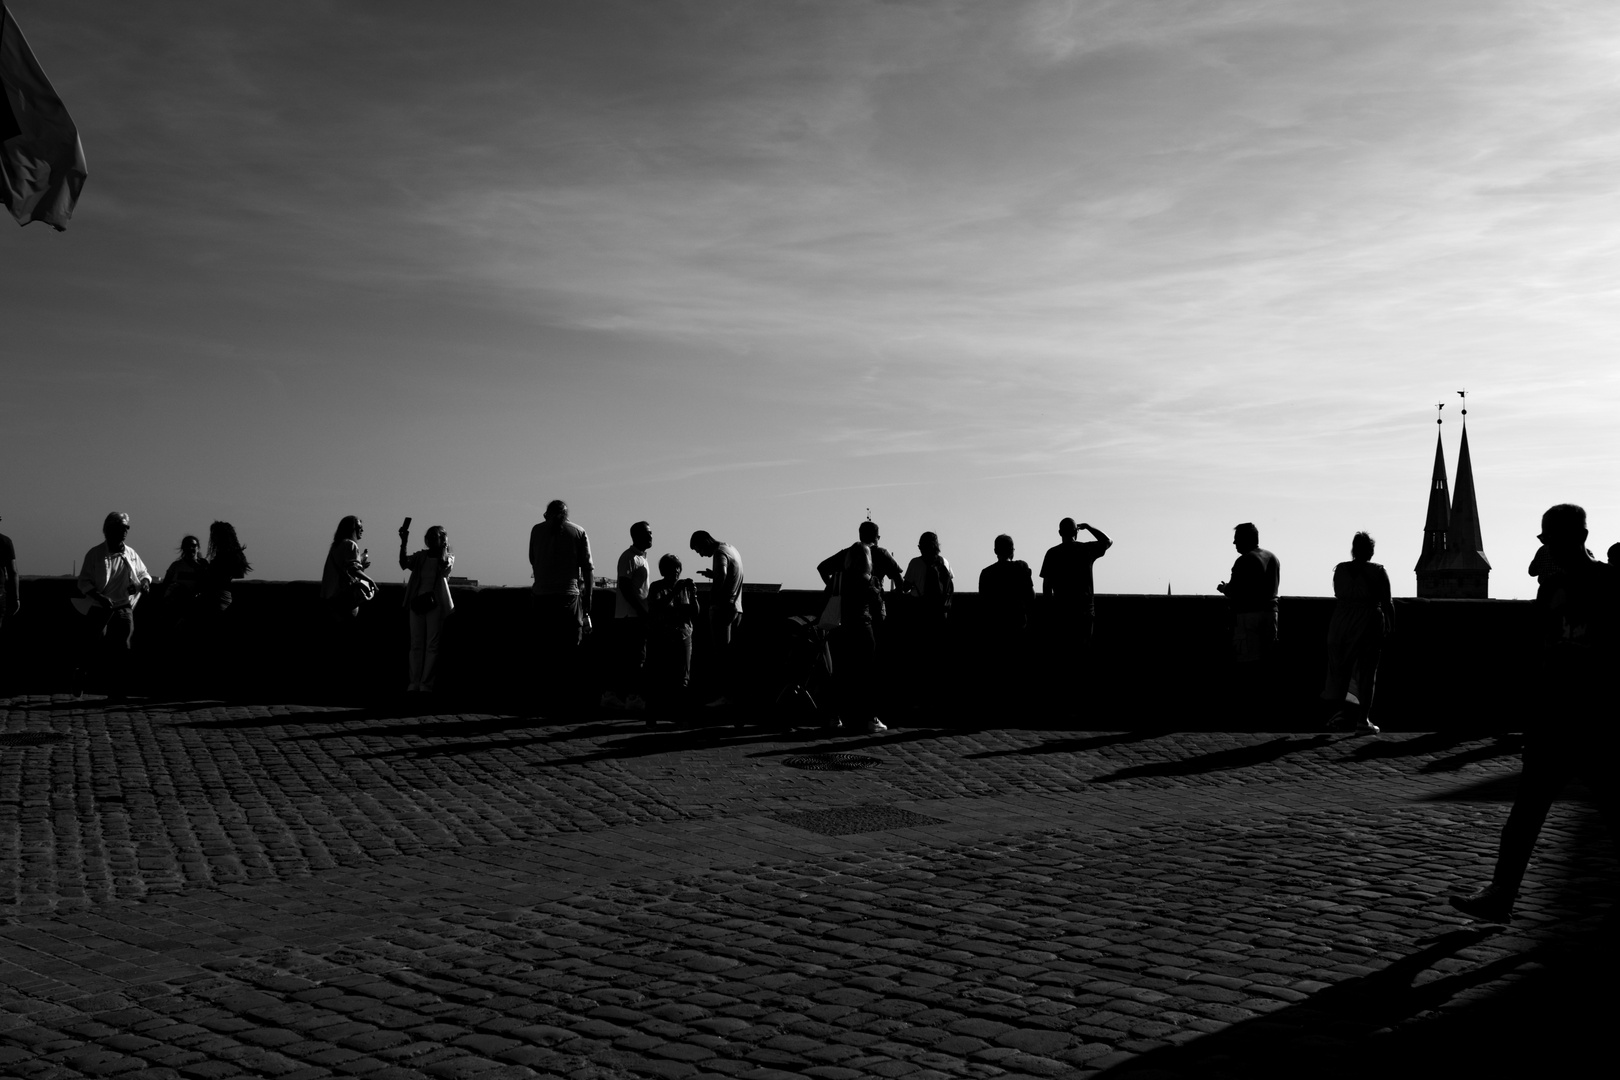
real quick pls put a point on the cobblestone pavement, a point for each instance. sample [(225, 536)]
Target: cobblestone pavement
[(200, 890)]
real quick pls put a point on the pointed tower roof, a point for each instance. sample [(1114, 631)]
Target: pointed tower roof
[(1467, 546), (1437, 525)]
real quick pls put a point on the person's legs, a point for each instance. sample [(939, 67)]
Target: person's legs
[(418, 653), (118, 638), (1548, 765), (433, 634)]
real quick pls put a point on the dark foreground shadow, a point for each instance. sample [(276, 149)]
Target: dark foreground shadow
[(1553, 1019), (1239, 758)]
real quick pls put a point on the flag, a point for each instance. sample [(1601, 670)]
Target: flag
[(41, 160)]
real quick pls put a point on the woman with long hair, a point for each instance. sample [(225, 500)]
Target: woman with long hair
[(427, 602), (227, 561), (1363, 616), (344, 584)]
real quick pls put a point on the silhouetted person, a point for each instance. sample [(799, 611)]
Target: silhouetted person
[(630, 622), (182, 587), (858, 577), (1252, 596), (226, 563), (112, 579), (931, 589), (1006, 593), (929, 580), (1066, 582), (10, 598), (1574, 734), (344, 582), (428, 603), (1363, 616), (672, 610), (725, 608), (560, 558)]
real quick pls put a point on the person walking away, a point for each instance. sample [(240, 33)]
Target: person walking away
[(560, 559), (112, 580), (182, 587), (630, 623), (428, 603), (344, 587), (930, 588), (1574, 735), (725, 610), (672, 610), (1363, 617), (1006, 594)]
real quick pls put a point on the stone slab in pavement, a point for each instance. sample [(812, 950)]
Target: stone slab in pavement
[(204, 890)]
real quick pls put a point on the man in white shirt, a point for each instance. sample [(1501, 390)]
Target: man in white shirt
[(113, 579), (725, 606), (630, 621)]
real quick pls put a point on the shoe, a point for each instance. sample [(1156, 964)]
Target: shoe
[(718, 702), (636, 703), (1366, 727), (1492, 904), (833, 726), (610, 700), (875, 726), (1339, 722)]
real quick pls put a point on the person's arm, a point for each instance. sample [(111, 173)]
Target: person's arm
[(630, 585), (1046, 575), (947, 580), (1100, 537), (587, 576), (9, 586), (1386, 601), (93, 577), (828, 568), (404, 538)]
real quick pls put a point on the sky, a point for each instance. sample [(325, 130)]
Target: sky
[(762, 268)]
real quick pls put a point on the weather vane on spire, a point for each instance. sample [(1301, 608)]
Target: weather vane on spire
[(1464, 395), (1437, 409)]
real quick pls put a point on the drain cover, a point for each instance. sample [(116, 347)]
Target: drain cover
[(830, 761), (30, 738), (844, 820)]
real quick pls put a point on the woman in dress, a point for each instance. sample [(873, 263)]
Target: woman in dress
[(427, 601), (1363, 616)]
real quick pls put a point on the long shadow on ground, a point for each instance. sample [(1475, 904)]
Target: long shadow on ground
[(1557, 1014), (1238, 758), (1075, 746)]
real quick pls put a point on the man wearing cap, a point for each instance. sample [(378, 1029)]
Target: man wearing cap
[(112, 579)]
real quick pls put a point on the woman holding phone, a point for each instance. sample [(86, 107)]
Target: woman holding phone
[(427, 601)]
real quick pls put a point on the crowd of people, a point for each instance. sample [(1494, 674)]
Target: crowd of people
[(651, 639)]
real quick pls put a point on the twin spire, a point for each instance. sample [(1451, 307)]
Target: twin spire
[(1453, 563)]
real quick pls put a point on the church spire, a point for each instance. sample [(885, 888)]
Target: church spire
[(1437, 526), (1467, 545), (1453, 563)]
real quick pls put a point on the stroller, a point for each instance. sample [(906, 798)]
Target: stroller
[(809, 667)]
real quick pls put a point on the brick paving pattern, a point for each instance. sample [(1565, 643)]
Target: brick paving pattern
[(211, 891)]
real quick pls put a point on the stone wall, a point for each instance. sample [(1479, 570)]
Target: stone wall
[(1158, 659)]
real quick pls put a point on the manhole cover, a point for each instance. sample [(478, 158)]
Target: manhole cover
[(30, 738), (830, 761), (844, 820)]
